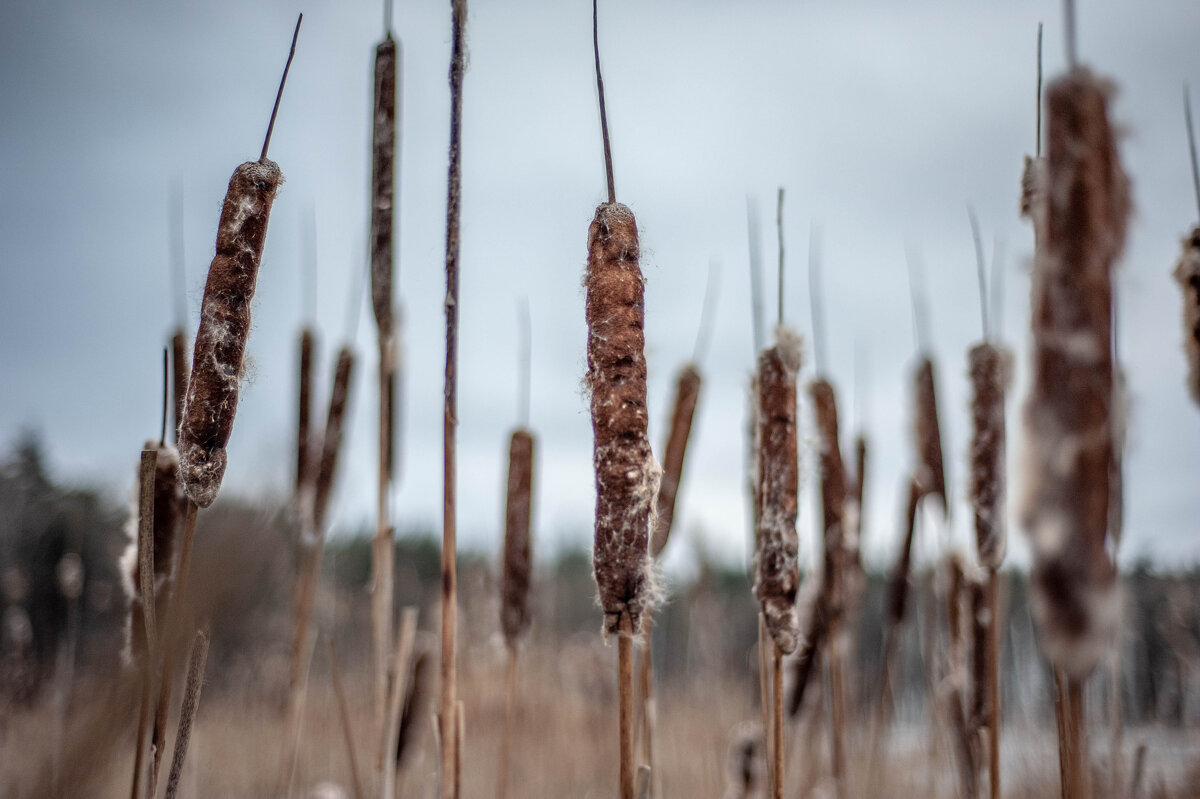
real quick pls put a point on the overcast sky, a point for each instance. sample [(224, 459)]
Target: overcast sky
[(882, 120)]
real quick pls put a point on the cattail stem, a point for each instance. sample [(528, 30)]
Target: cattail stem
[(1077, 735), (777, 747), (147, 671), (304, 412), (510, 712), (187, 713), (626, 718), (347, 728), (177, 605), (764, 691), (837, 701), (995, 719), (1061, 714), (451, 737), (179, 379), (279, 93)]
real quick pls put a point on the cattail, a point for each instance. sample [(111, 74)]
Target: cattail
[(777, 573), (1069, 410), (931, 474), (187, 713), (179, 377), (626, 474), (168, 504), (224, 324), (383, 154), (981, 631), (416, 705), (303, 436), (854, 532), (1033, 192), (514, 591), (833, 493), (687, 393), (898, 585), (1187, 272), (331, 441), (988, 377), (217, 359), (808, 650)]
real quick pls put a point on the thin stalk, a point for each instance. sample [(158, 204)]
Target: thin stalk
[(646, 691), (980, 273), (764, 688), (779, 234), (1191, 136), (279, 94), (510, 712), (995, 719), (626, 719), (837, 711), (608, 163), (777, 748), (1065, 774), (1080, 760), (704, 331), (449, 567), (756, 311), (820, 358), (347, 728), (524, 362), (1038, 98)]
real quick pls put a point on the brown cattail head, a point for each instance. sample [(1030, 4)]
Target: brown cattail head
[(988, 370), (626, 474), (331, 442), (1187, 272), (167, 523), (303, 434), (898, 587), (1068, 416), (931, 473), (776, 570), (687, 393), (179, 377), (514, 587), (857, 491), (212, 393), (833, 495), (383, 154)]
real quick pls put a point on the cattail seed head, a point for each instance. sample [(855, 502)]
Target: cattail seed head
[(304, 412), (514, 587), (331, 443), (744, 767), (687, 393), (833, 495), (217, 360), (988, 372), (383, 154), (1187, 272), (167, 523), (931, 473), (898, 587), (1033, 192), (1068, 415), (626, 474), (777, 572)]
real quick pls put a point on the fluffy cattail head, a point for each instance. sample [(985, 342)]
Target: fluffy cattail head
[(331, 442), (687, 393), (988, 371), (383, 153), (1069, 414), (514, 586), (626, 474), (777, 572), (1187, 272), (931, 473), (217, 360)]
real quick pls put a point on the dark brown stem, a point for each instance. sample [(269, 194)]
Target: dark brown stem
[(625, 714), (994, 717), (449, 567), (608, 165), (279, 94), (777, 748), (1061, 713)]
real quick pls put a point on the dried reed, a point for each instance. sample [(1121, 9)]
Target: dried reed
[(344, 717), (448, 712), (743, 766), (383, 167), (687, 393), (402, 668)]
